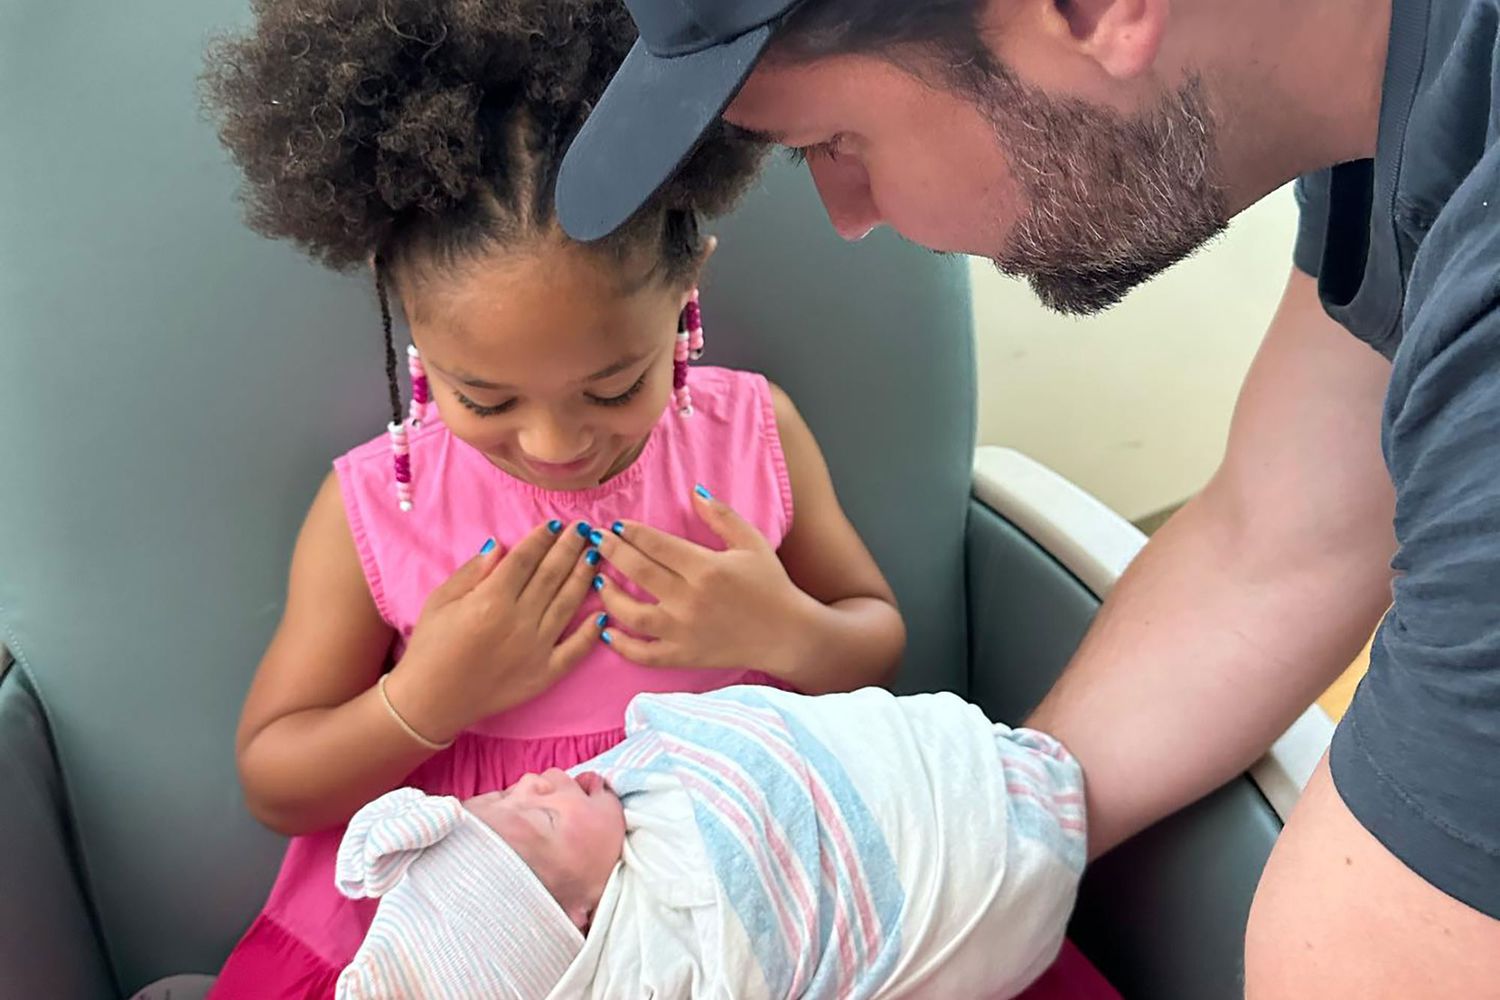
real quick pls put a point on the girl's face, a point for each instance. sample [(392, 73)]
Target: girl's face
[(554, 363)]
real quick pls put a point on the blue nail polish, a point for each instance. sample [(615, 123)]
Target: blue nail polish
[(618, 528), (585, 529), (554, 526), (602, 620), (592, 558), (595, 538), (598, 583), (487, 547), (702, 491), (606, 638)]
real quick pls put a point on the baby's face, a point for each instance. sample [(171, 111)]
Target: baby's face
[(570, 831)]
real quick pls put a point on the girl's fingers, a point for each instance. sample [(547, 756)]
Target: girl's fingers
[(641, 618), (621, 552), (525, 561), (677, 555), (567, 654), (570, 595), (726, 522), (647, 654), (467, 576)]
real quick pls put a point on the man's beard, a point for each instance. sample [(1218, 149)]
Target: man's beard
[(1112, 201)]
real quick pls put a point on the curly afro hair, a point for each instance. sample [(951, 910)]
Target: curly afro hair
[(417, 134), (419, 131)]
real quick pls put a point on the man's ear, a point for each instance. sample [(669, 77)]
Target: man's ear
[(1122, 37)]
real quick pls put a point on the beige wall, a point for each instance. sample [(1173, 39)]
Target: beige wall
[(1133, 405)]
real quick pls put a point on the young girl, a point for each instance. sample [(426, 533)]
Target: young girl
[(566, 517)]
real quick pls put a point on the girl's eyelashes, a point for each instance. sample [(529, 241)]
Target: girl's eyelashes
[(483, 411), (490, 411), (623, 397)]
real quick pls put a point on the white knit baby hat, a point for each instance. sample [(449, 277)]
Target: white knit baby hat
[(461, 916)]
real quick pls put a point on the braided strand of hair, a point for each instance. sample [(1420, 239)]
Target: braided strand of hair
[(392, 385)]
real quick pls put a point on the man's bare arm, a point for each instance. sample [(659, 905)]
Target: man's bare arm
[(1252, 599)]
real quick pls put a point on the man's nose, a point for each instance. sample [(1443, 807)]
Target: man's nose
[(844, 186)]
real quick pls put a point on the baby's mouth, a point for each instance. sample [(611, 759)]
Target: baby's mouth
[(590, 782)]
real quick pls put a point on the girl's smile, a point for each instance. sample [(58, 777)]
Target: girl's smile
[(546, 362)]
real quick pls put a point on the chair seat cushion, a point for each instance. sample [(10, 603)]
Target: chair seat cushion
[(188, 987)]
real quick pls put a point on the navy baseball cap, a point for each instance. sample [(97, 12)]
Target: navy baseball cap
[(690, 60)]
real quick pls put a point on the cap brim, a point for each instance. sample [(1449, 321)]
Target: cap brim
[(645, 126)]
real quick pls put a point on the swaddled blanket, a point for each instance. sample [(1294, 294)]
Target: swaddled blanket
[(845, 846)]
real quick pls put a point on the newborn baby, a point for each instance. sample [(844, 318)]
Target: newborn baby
[(748, 843)]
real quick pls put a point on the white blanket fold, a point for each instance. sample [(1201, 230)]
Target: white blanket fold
[(845, 846)]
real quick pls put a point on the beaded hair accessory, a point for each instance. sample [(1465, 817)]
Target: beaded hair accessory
[(400, 451), (689, 348), (396, 428), (419, 394)]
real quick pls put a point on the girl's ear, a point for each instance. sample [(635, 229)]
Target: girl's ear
[(709, 246)]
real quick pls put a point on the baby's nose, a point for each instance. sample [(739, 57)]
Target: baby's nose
[(533, 784)]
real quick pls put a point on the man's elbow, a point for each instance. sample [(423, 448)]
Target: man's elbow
[(1266, 537)]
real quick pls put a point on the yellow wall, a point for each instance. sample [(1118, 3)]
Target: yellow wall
[(1133, 405)]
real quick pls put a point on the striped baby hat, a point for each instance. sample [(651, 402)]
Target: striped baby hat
[(461, 916)]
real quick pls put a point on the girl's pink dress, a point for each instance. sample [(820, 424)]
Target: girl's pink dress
[(308, 932)]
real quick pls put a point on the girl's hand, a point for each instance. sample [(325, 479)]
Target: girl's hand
[(487, 639), (736, 608)]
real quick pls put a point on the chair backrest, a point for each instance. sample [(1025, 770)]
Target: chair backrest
[(175, 388)]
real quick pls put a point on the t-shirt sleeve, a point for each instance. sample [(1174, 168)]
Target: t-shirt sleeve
[(1312, 194), (1415, 759)]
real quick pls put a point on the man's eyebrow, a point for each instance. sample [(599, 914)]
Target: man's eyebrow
[(771, 138)]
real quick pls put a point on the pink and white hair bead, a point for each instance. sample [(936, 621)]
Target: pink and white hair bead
[(401, 455), (400, 448), (419, 392), (689, 347)]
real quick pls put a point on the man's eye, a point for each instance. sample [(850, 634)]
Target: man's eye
[(825, 150)]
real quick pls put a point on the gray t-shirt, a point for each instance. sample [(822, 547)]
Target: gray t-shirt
[(1406, 250)]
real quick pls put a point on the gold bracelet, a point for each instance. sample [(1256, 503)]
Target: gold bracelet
[(406, 726)]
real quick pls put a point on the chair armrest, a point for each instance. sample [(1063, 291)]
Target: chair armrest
[(1095, 544), (1091, 541), (1190, 877), (48, 945)]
